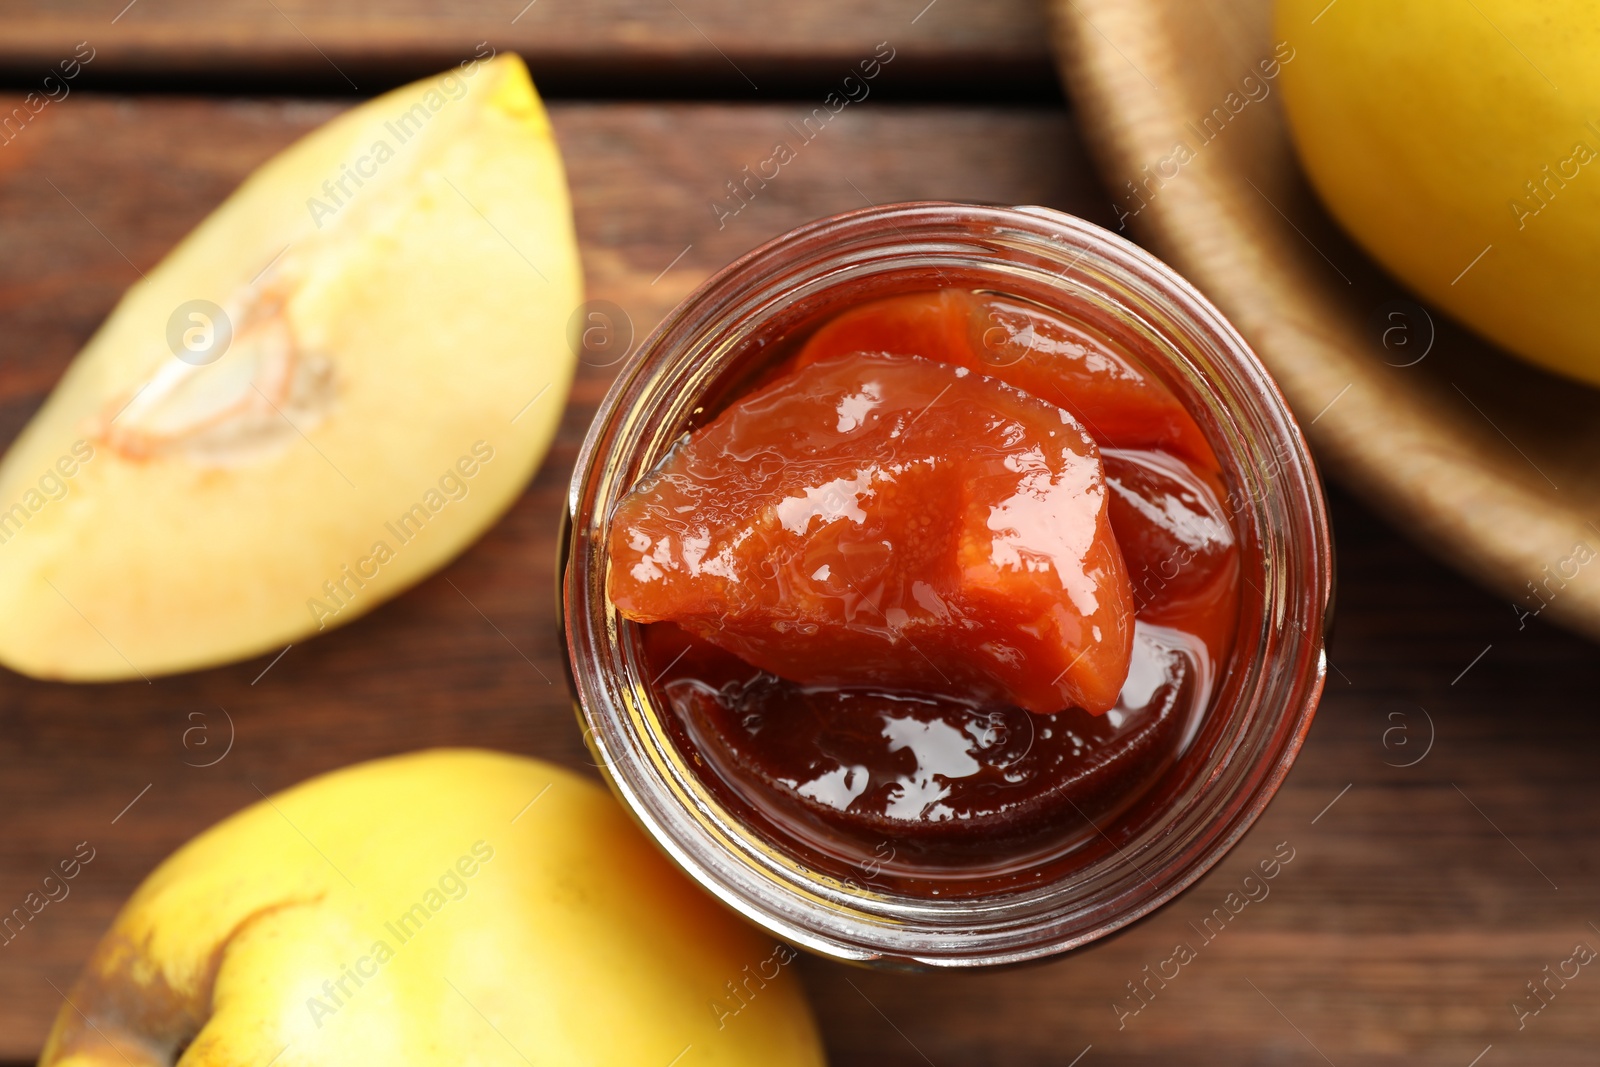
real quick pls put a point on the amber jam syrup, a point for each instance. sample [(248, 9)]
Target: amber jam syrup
[(943, 796), (1074, 866)]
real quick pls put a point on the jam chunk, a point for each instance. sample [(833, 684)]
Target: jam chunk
[(886, 521), (1178, 544), (1067, 363)]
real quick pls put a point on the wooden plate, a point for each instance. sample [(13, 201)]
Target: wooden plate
[(1492, 464)]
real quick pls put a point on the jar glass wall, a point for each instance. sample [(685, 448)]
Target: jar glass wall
[(1123, 865)]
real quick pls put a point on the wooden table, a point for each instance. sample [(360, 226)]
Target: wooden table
[(1421, 898)]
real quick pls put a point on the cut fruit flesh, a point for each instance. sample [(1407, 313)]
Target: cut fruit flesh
[(398, 284)]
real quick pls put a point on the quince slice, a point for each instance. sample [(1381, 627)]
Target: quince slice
[(334, 384)]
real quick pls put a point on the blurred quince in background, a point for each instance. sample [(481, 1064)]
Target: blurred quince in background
[(1459, 144)]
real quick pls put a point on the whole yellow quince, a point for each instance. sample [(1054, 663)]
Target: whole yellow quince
[(1459, 143), (446, 907), (339, 380)]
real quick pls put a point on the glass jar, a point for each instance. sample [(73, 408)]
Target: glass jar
[(1259, 711)]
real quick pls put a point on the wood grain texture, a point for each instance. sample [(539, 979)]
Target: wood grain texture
[(651, 47), (1398, 934), (1483, 459)]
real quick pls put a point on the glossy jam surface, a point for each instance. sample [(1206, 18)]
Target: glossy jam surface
[(883, 520), (951, 584), (1066, 363)]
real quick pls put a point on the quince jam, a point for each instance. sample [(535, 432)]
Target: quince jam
[(951, 579)]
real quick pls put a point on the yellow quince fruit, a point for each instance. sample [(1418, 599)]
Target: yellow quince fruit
[(1459, 144), (444, 907)]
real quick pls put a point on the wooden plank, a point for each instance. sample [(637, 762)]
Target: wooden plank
[(605, 47), (1401, 931)]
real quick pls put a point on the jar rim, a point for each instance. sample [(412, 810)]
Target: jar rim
[(1274, 685)]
